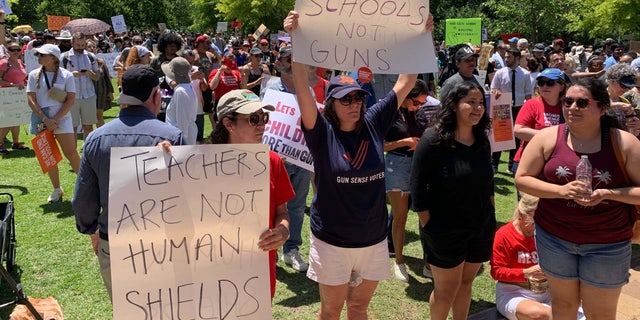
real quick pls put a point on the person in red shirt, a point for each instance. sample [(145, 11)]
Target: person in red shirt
[(224, 79), (242, 119)]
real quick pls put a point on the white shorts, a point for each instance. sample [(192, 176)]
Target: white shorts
[(333, 266), (84, 110), (508, 296)]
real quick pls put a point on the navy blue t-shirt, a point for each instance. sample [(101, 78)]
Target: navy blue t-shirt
[(349, 209)]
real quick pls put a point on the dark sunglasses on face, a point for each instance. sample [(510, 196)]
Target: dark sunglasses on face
[(348, 100), (254, 118), (549, 83), (582, 103), (15, 50), (38, 54)]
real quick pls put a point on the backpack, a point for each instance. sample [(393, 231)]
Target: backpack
[(65, 58)]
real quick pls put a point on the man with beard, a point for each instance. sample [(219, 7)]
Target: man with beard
[(85, 69), (64, 40), (466, 62)]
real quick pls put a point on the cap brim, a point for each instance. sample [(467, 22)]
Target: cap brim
[(254, 106), (129, 100), (629, 85), (340, 93)]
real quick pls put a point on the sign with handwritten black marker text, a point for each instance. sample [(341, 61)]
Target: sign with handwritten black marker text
[(183, 232), (385, 36)]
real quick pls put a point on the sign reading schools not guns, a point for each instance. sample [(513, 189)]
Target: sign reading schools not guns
[(283, 133), (385, 36), (183, 232)]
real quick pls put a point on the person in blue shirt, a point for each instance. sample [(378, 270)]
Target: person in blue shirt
[(136, 125), (348, 254)]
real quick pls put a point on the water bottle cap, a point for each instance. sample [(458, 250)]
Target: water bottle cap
[(584, 156)]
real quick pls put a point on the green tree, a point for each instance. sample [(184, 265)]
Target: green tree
[(535, 20), (204, 15), (252, 13), (598, 19)]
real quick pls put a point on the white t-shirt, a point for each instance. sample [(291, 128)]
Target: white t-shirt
[(64, 81)]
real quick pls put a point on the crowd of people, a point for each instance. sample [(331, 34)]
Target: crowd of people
[(429, 155)]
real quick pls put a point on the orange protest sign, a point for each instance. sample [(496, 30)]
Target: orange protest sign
[(57, 22), (46, 149)]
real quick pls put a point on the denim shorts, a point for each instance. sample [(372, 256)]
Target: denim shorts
[(604, 266), (398, 172)]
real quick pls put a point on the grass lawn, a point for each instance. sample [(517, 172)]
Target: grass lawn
[(55, 260)]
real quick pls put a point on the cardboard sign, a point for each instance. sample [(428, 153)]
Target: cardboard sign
[(463, 31), (262, 30), (14, 107), (119, 26), (283, 133), (46, 150), (183, 232), (385, 36), (501, 134), (57, 22)]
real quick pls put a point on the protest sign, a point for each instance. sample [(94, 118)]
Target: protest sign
[(262, 30), (501, 134), (57, 22), (183, 232), (467, 30), (14, 108), (119, 26), (222, 26), (283, 133), (4, 5), (387, 37), (162, 26), (46, 150)]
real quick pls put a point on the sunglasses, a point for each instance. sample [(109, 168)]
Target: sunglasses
[(15, 50), (417, 103), (548, 83), (348, 100), (38, 54), (255, 118), (582, 103), (264, 44)]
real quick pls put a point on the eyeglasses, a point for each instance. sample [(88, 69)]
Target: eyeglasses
[(255, 118), (417, 103), (548, 83), (15, 50), (348, 100), (264, 44), (582, 103)]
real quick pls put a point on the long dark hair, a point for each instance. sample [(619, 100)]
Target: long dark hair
[(220, 133), (446, 122), (419, 89), (598, 90), (329, 112)]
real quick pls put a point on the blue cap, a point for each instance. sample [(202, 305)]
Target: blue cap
[(340, 86), (514, 39), (551, 74)]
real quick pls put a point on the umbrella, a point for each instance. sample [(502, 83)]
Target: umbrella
[(87, 26), (23, 28)]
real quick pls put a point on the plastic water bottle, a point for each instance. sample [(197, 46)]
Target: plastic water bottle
[(583, 173)]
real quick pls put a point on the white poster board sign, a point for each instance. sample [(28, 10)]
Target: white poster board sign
[(183, 232), (501, 134), (283, 133), (14, 108), (222, 26), (4, 4), (385, 36), (118, 24)]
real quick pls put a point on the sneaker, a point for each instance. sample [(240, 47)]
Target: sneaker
[(293, 259), (56, 195), (400, 271), (3, 150), (426, 271), (19, 146)]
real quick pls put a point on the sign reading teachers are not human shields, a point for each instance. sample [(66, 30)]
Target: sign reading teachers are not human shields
[(385, 36), (183, 232)]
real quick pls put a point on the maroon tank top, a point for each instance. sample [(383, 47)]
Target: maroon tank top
[(607, 222)]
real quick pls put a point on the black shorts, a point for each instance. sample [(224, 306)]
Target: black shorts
[(207, 97), (449, 249)]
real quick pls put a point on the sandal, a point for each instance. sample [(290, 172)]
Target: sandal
[(19, 146)]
